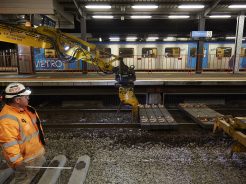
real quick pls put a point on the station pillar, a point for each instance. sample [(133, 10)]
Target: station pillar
[(238, 42), (199, 58), (83, 37)]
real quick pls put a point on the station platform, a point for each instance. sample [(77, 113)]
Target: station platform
[(143, 79), (175, 83)]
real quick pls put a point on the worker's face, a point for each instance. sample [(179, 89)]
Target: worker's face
[(22, 101)]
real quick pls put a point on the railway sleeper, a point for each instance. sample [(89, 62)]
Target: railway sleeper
[(53, 171), (51, 175), (155, 117), (80, 170), (201, 114)]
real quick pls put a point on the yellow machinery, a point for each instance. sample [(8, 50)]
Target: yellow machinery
[(234, 127), (69, 49)]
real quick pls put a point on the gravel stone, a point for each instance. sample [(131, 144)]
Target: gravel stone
[(132, 156)]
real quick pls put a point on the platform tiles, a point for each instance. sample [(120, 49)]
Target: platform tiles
[(155, 117), (201, 114)]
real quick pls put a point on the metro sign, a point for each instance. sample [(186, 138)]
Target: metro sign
[(201, 34)]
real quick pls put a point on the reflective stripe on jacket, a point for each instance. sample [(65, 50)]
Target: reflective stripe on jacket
[(19, 135)]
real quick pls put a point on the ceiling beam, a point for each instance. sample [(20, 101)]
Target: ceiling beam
[(208, 10), (78, 8), (26, 7), (60, 10)]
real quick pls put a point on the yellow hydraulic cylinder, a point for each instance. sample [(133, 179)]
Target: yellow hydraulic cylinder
[(127, 96)]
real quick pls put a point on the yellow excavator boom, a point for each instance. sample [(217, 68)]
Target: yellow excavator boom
[(70, 48)]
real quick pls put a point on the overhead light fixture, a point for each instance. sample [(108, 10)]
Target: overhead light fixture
[(114, 39), (146, 6), (192, 6), (141, 17), (169, 39), (98, 6), (232, 38), (152, 38), (183, 39), (219, 16), (103, 16), (238, 6), (178, 16), (131, 38)]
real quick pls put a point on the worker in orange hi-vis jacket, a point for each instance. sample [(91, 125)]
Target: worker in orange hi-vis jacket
[(21, 133)]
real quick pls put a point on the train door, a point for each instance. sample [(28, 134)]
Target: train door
[(192, 54), (243, 57), (192, 49), (205, 56)]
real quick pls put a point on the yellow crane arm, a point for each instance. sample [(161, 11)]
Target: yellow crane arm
[(70, 48)]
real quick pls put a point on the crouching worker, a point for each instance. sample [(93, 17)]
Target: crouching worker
[(21, 133)]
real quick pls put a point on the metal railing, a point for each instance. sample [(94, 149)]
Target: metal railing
[(8, 61), (162, 63)]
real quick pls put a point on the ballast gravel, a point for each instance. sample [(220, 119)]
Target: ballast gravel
[(135, 156)]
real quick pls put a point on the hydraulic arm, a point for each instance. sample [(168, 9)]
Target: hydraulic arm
[(69, 49), (234, 127)]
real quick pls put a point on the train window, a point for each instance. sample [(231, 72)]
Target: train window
[(223, 52), (50, 53), (243, 52), (149, 52), (193, 52), (172, 52), (126, 52), (105, 53)]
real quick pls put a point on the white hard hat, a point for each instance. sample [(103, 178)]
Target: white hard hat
[(16, 89)]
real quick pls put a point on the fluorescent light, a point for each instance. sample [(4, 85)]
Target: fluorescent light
[(114, 39), (100, 39), (147, 6), (131, 38), (182, 39), (98, 6), (192, 6), (219, 16), (169, 39), (141, 16), (178, 16), (154, 38), (232, 38), (103, 16), (239, 6)]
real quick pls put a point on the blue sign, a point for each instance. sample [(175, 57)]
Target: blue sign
[(46, 63), (201, 34)]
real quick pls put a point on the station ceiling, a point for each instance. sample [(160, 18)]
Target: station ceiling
[(68, 12), (160, 24)]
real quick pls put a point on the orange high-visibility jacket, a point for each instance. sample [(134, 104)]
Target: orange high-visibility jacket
[(19, 135)]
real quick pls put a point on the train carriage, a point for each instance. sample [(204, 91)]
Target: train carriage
[(146, 56)]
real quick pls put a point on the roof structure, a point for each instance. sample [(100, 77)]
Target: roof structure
[(162, 20)]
